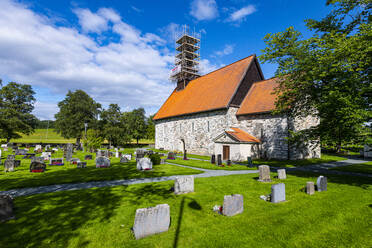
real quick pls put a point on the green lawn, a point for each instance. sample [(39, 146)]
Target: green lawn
[(67, 173), (360, 168), (103, 217)]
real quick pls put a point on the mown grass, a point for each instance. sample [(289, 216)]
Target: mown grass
[(360, 168), (208, 165), (103, 217), (51, 136), (68, 173)]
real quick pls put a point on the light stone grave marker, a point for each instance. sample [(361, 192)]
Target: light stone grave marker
[(321, 183), (102, 162), (128, 156), (232, 205), (310, 189), (282, 174), (69, 151), (277, 192), (6, 208), (9, 165), (149, 221), (144, 164), (162, 161), (183, 185), (124, 160), (264, 171)]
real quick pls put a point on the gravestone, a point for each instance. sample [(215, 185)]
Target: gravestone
[(37, 167), (228, 162), (124, 160), (116, 153), (20, 152), (47, 147), (17, 163), (69, 151), (250, 163), (321, 183), (107, 153), (277, 192), (310, 188), (219, 159), (185, 155), (55, 149), (38, 147), (81, 164), (264, 171), (183, 185), (88, 157), (162, 161), (140, 154), (213, 159), (29, 155), (74, 160), (37, 159), (56, 161), (144, 164), (6, 208), (171, 155), (102, 162), (282, 174), (4, 145), (150, 221), (232, 205), (9, 165), (10, 157), (128, 156), (46, 155)]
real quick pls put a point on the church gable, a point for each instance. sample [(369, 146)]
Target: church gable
[(225, 138)]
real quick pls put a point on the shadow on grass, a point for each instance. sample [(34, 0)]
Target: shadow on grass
[(45, 219)]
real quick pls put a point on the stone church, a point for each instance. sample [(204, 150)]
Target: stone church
[(229, 112)]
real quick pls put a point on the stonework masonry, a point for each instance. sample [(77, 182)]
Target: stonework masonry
[(199, 131)]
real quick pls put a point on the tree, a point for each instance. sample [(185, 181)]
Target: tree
[(75, 110), (16, 104), (150, 132), (137, 123), (111, 124), (93, 140), (328, 74)]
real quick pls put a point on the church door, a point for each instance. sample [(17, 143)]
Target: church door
[(226, 152)]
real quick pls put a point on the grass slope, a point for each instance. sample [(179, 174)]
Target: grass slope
[(67, 173), (103, 217)]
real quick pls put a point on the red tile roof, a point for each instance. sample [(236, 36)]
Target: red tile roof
[(209, 92), (242, 136), (260, 98)]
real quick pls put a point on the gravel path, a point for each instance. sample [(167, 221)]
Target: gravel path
[(320, 168)]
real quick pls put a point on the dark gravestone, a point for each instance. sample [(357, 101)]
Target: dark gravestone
[(213, 159), (74, 160), (171, 155), (29, 156), (140, 153), (185, 155), (88, 157), (102, 162), (6, 208), (228, 162), (321, 183), (81, 164), (37, 167), (56, 161), (17, 163), (20, 152), (250, 163), (11, 157), (9, 165), (219, 159)]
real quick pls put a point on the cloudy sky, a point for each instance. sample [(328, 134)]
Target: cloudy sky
[(121, 51)]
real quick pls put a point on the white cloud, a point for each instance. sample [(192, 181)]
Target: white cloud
[(136, 9), (206, 66), (239, 15), (170, 31), (132, 72), (228, 49), (90, 22), (204, 9)]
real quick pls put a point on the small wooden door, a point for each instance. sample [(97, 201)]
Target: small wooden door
[(226, 152)]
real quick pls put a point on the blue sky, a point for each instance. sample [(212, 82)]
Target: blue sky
[(121, 51)]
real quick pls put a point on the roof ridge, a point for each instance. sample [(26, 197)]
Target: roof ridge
[(225, 66)]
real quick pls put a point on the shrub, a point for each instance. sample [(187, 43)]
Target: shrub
[(155, 159)]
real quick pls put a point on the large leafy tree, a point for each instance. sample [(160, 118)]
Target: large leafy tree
[(75, 110), (150, 132), (328, 74), (137, 123), (16, 104), (112, 127)]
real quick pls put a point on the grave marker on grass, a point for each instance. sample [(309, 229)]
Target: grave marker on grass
[(213, 159), (264, 171), (144, 164), (310, 188), (232, 205), (69, 151), (102, 162), (282, 174), (277, 192), (37, 167), (124, 160), (56, 161), (6, 208), (88, 157), (321, 183), (81, 164), (152, 220), (183, 185), (9, 165)]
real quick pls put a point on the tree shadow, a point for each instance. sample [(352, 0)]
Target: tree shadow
[(47, 219)]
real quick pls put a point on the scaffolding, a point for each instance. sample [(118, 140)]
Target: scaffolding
[(187, 57)]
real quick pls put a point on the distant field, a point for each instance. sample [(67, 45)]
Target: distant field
[(51, 136)]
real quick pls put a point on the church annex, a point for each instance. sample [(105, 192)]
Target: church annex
[(228, 112)]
